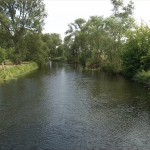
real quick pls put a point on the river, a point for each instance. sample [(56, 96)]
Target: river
[(63, 108)]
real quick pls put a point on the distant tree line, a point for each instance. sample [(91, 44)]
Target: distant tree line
[(21, 37), (115, 43)]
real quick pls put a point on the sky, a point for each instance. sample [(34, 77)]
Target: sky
[(63, 12)]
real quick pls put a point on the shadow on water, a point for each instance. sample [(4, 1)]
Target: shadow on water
[(62, 108)]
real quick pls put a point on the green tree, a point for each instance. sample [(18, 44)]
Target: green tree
[(97, 40), (5, 41), (73, 40), (100, 41), (54, 44), (37, 50), (17, 17), (136, 56), (2, 55), (117, 27)]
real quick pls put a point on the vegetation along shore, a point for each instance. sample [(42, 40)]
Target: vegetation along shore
[(13, 71), (115, 43)]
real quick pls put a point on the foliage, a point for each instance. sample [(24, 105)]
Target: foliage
[(74, 40), (5, 40), (36, 48), (99, 40), (93, 63), (136, 55), (114, 43), (18, 17), (3, 55), (21, 23), (143, 76), (54, 44)]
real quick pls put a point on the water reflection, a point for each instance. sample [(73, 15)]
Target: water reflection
[(60, 107)]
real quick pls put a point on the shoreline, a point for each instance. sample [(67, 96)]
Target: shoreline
[(141, 77), (14, 71)]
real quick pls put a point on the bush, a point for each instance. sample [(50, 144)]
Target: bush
[(143, 77), (93, 63), (136, 55)]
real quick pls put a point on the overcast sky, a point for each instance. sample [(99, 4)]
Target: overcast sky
[(62, 12)]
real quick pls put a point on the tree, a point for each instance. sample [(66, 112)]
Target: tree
[(73, 41), (121, 11), (54, 44), (117, 26), (5, 41), (17, 17), (136, 56), (100, 41), (37, 50), (2, 56)]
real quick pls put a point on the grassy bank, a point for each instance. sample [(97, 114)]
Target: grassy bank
[(14, 71)]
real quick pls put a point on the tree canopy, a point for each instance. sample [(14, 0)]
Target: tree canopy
[(18, 17)]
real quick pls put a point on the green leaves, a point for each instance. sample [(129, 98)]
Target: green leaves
[(19, 17), (100, 40), (36, 48), (2, 55), (54, 44), (136, 55)]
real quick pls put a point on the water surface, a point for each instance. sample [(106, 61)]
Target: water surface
[(62, 108)]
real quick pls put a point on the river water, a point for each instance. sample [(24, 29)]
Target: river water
[(62, 108)]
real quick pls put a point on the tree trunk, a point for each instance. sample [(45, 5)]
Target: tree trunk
[(17, 53)]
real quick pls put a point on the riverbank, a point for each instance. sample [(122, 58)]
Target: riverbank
[(57, 59), (143, 77), (13, 71)]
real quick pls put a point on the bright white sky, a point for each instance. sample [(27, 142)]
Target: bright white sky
[(63, 12)]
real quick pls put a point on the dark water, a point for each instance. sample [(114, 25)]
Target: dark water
[(61, 108)]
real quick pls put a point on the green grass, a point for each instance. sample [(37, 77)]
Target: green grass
[(15, 71)]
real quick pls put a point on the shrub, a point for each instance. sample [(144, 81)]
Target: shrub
[(143, 76), (136, 54)]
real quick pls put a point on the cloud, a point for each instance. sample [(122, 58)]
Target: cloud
[(63, 12)]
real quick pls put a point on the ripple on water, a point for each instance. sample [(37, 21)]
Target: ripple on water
[(60, 108)]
